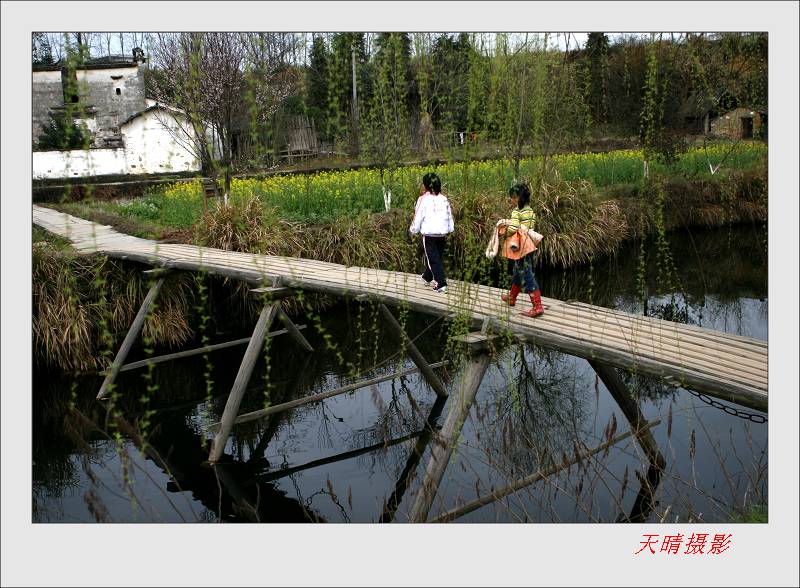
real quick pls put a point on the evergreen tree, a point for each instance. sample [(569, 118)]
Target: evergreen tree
[(597, 63), (317, 85), (397, 48), (342, 113), (451, 65), (387, 121), (61, 132)]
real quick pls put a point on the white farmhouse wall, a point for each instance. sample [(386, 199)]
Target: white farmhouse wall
[(151, 148), (154, 143), (92, 76), (78, 163)]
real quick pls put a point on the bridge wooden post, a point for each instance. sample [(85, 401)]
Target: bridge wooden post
[(413, 461), (644, 503), (276, 293), (242, 377), (260, 333), (294, 331), (291, 391), (190, 352), (242, 504), (133, 333), (467, 387), (416, 356), (619, 391)]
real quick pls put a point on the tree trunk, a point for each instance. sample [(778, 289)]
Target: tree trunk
[(228, 154), (354, 142)]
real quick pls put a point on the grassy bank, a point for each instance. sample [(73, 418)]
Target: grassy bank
[(328, 196), (579, 219), (84, 305)]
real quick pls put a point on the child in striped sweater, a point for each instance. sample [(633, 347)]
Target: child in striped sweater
[(522, 219)]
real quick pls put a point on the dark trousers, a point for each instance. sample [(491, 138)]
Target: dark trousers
[(523, 273), (434, 252)]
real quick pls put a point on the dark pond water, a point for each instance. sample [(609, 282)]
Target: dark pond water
[(361, 456)]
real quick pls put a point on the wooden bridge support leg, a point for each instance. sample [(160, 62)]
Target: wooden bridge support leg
[(630, 409), (133, 333), (294, 332), (413, 461), (468, 383), (240, 384), (644, 503), (242, 503), (416, 356)]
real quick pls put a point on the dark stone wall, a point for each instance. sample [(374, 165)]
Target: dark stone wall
[(97, 89), (113, 109), (46, 94)]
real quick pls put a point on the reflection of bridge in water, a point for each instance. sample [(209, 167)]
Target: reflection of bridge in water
[(719, 364), (228, 488)]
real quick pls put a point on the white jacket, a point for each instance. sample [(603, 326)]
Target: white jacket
[(433, 216)]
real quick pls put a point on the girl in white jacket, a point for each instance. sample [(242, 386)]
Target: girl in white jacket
[(434, 219)]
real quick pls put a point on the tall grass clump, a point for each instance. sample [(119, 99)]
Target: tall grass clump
[(367, 240), (577, 225), (68, 309), (247, 225)]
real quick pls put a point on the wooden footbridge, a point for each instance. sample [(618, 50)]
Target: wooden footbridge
[(713, 363)]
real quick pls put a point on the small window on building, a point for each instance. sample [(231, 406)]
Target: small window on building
[(119, 91)]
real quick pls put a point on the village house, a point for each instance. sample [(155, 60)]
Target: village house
[(723, 116), (740, 123), (130, 134)]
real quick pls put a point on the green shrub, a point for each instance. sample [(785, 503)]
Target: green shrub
[(148, 208)]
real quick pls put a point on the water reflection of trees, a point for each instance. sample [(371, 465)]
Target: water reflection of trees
[(535, 407), (405, 413), (55, 465)]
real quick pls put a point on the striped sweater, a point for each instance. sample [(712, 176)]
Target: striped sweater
[(521, 217)]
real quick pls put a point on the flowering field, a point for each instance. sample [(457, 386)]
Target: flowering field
[(325, 196)]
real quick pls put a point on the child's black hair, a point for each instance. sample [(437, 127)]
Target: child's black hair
[(432, 183), (522, 192)]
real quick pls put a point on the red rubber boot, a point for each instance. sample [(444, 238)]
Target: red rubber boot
[(536, 300), (511, 297)]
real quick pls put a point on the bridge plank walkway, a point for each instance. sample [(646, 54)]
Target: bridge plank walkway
[(726, 366)]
